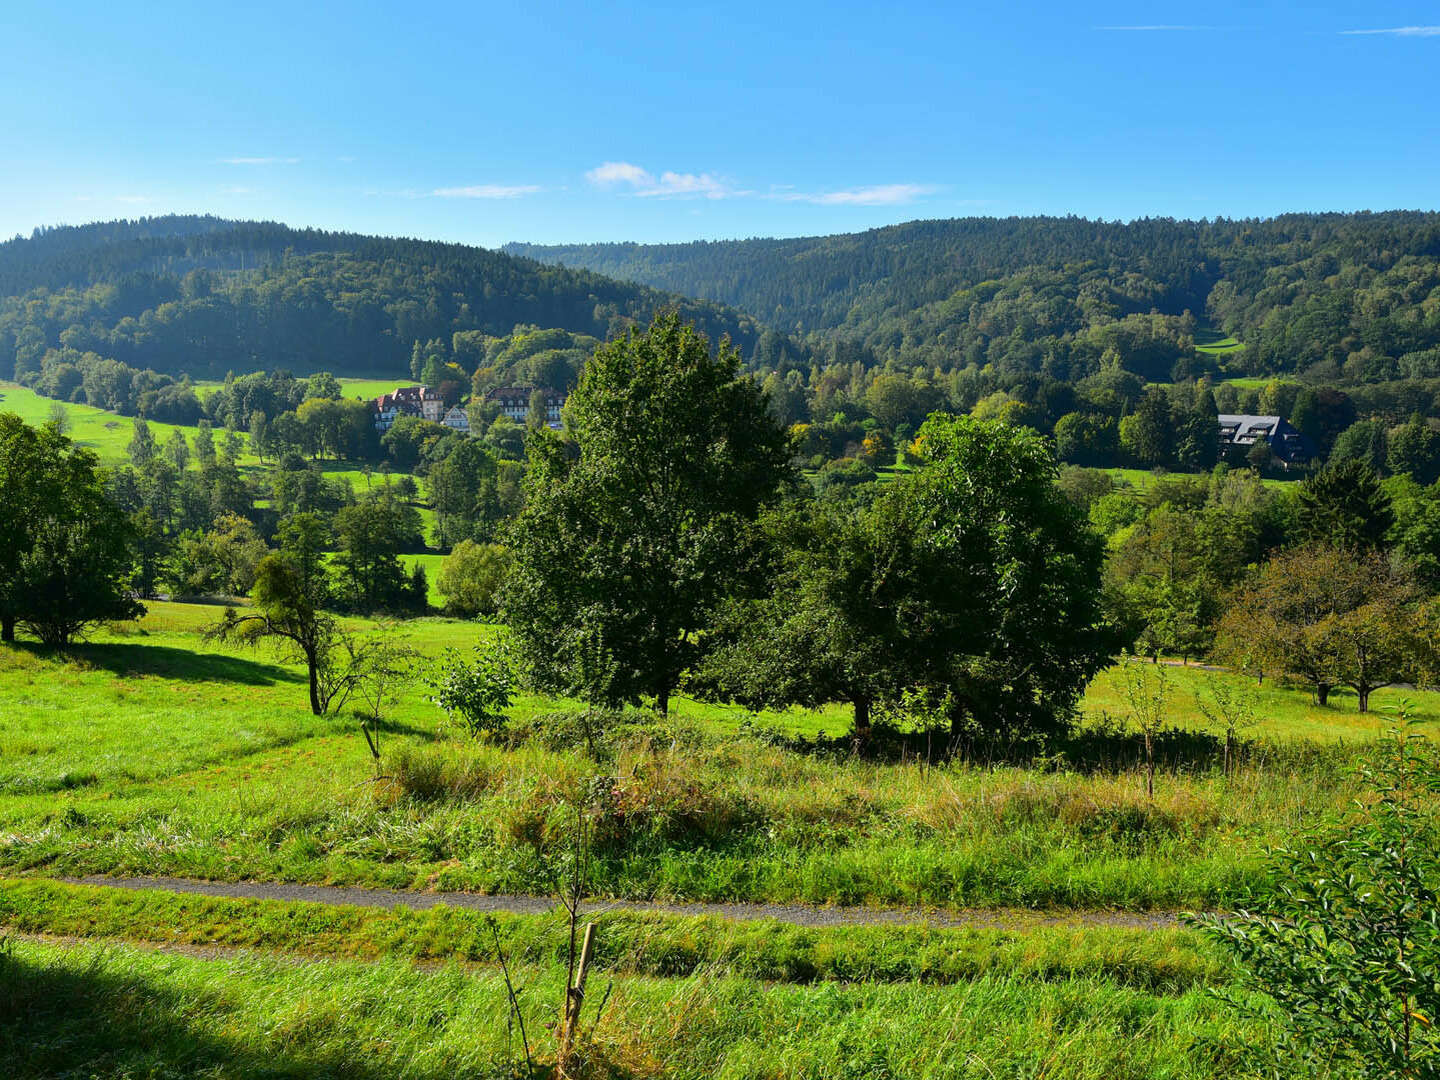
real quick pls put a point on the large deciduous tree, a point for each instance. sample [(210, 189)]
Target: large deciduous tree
[(635, 532), (66, 558), (1329, 616), (972, 579)]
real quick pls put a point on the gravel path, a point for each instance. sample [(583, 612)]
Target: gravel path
[(794, 914)]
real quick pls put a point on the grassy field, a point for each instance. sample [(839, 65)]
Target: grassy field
[(1216, 343), (104, 432), (1143, 478), (152, 751), (352, 387)]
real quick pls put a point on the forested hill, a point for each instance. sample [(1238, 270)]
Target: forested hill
[(1022, 293), (200, 296)]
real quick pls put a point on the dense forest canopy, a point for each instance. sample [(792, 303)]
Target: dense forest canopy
[(1337, 295), (201, 296)]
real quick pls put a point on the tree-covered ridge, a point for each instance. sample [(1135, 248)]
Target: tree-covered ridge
[(1353, 295), (201, 296)]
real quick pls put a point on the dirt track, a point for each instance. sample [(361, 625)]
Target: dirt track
[(794, 914)]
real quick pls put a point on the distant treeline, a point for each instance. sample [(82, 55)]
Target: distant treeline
[(202, 297), (1353, 296)]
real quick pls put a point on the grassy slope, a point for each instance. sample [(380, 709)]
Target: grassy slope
[(199, 760), (1141, 478), (109, 436), (1216, 344)]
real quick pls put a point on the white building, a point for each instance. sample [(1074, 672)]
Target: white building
[(457, 420), (408, 401), (514, 402)]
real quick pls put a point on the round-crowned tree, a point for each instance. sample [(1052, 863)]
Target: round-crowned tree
[(635, 531)]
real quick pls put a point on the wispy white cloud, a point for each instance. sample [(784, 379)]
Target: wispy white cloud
[(260, 161), (486, 191), (237, 189), (691, 184), (642, 182), (1399, 31), (874, 195), (619, 172), (1151, 29)]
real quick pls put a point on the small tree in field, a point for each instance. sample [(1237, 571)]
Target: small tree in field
[(475, 693), (65, 557), (379, 668), (1146, 688), (471, 577), (285, 612), (1231, 707), (1346, 950), (1330, 616)]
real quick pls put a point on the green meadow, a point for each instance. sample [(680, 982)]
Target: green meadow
[(116, 1010), (150, 750), (109, 434), (1216, 343), (106, 433)]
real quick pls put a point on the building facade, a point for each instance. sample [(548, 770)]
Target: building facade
[(457, 420), (418, 401), (514, 402)]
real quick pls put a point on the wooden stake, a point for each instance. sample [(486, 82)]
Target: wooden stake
[(575, 998)]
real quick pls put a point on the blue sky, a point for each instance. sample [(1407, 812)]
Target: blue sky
[(556, 122)]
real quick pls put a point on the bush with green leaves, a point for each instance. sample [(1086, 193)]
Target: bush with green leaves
[(1345, 952), (475, 693)]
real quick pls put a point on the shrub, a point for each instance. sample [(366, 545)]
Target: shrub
[(1346, 951), (475, 694)]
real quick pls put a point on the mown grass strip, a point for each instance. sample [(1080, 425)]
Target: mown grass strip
[(1164, 961)]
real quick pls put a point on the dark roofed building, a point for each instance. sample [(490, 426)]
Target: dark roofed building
[(1239, 433), (514, 402)]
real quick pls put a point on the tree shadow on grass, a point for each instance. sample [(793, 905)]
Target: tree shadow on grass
[(167, 662), (95, 1020), (1104, 748)]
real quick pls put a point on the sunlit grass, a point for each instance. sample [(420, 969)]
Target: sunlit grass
[(153, 751), (115, 1010)]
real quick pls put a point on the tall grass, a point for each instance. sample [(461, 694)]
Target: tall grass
[(114, 1011)]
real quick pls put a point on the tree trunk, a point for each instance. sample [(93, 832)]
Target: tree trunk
[(662, 702), (312, 663), (7, 627), (1149, 767), (1322, 694), (1363, 692), (860, 738)]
